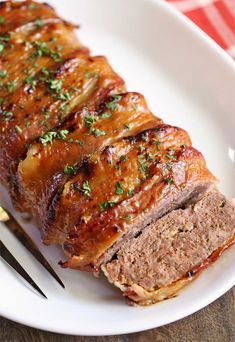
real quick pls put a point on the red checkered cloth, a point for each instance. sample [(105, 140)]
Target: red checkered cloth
[(215, 17)]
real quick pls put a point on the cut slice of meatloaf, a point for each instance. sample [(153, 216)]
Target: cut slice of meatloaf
[(116, 194), (172, 250)]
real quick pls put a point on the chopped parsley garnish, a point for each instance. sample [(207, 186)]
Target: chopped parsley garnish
[(89, 74), (64, 96), (32, 6), (70, 140), (144, 137), (54, 85), (127, 217), (97, 132), (7, 114), (10, 86), (169, 180), (31, 81), (47, 138), (123, 158), (106, 115), (2, 20), (85, 188), (3, 73), (1, 47), (113, 104), (50, 136), (70, 169), (118, 188), (156, 142), (79, 142), (89, 120), (62, 134), (127, 126), (5, 38), (18, 129), (143, 167), (105, 205), (42, 49), (141, 148), (130, 192), (170, 154), (39, 22)]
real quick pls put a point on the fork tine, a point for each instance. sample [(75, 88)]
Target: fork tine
[(6, 255), (26, 240)]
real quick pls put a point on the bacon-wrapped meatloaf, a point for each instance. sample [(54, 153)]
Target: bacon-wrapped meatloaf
[(114, 185)]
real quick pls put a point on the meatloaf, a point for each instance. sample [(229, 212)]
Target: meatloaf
[(100, 173), (179, 245)]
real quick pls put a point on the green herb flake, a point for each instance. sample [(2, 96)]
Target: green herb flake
[(2, 20), (169, 180), (79, 142), (31, 81), (10, 86), (123, 158), (127, 217), (5, 38), (156, 142), (106, 115), (141, 148), (1, 47), (130, 192), (3, 73), (97, 132), (18, 129), (70, 140), (32, 6), (62, 134), (7, 115), (47, 138), (89, 120), (105, 205), (39, 22), (85, 188), (112, 105), (89, 74), (118, 188), (144, 137), (70, 169), (127, 126)]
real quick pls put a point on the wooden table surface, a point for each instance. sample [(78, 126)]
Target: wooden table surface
[(214, 323)]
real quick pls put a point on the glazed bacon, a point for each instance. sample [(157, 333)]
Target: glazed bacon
[(87, 159)]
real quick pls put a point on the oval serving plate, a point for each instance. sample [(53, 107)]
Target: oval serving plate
[(188, 81)]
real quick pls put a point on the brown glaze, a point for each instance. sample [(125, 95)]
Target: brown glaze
[(35, 111), (42, 170)]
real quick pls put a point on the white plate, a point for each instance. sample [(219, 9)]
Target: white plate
[(189, 81)]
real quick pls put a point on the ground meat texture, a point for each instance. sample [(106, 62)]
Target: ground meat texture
[(173, 245)]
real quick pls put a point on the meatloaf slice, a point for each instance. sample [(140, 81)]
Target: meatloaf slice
[(172, 250)]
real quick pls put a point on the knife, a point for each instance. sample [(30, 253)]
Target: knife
[(6, 255), (26, 240)]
